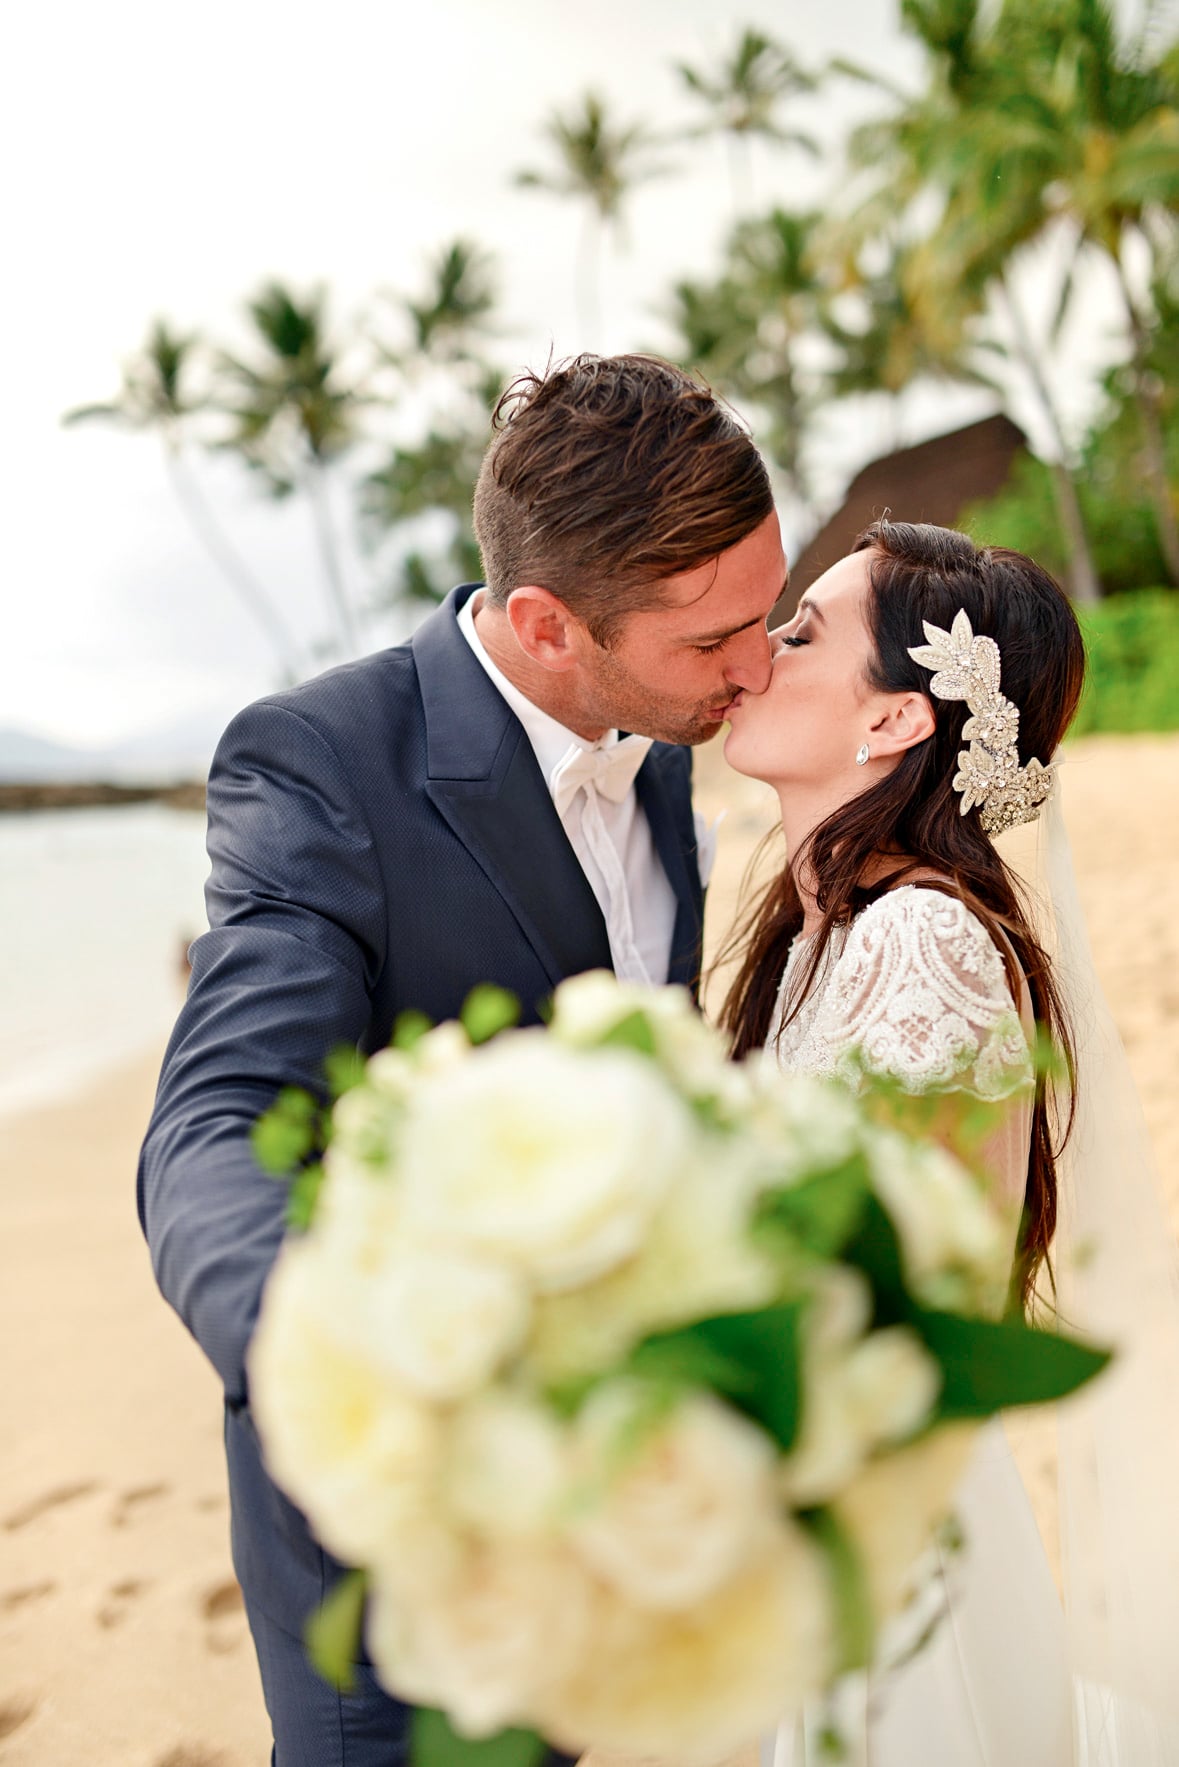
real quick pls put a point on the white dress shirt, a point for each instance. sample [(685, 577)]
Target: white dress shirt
[(609, 833)]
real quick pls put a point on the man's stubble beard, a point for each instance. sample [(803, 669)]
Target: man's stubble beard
[(624, 703)]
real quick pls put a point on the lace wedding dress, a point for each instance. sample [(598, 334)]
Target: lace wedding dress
[(918, 989)]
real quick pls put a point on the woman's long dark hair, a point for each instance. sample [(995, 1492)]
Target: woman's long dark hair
[(919, 573)]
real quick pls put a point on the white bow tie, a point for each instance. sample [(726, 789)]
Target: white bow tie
[(611, 771)]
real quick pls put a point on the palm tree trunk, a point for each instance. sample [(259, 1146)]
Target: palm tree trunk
[(740, 156), (220, 549), (1084, 583), (589, 281), (316, 484), (1154, 448)]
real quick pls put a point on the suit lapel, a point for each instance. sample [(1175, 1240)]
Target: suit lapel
[(482, 776), (665, 793)]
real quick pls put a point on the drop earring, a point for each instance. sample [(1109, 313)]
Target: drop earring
[(862, 754)]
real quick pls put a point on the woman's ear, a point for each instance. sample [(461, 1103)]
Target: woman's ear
[(544, 627), (905, 720)]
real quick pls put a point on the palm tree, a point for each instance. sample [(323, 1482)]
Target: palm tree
[(599, 162), (743, 100), (155, 397), (898, 343), (958, 142), (293, 414), (451, 321), (1096, 148), (750, 333)]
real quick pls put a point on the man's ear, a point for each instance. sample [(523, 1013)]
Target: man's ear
[(544, 628), (905, 720)]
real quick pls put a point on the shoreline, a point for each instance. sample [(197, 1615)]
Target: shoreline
[(18, 798)]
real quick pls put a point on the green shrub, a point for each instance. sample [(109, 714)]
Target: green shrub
[(1133, 678)]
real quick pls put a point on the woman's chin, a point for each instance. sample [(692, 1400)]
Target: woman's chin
[(732, 753)]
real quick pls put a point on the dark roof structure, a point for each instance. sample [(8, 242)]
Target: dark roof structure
[(932, 482)]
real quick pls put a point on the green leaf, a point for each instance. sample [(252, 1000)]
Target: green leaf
[(685, 1358), (284, 1135), (988, 1364), (853, 1604), (822, 1212), (332, 1634), (487, 1011), (632, 1032), (435, 1744), (410, 1028), (752, 1358), (304, 1197), (875, 1249), (344, 1068)]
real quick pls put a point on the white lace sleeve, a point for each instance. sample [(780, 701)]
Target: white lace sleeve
[(920, 993)]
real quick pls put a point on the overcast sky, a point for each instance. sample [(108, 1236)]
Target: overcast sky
[(164, 159)]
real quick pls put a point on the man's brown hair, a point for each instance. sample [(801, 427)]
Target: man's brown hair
[(608, 474)]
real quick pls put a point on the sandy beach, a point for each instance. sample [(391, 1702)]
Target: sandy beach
[(122, 1638)]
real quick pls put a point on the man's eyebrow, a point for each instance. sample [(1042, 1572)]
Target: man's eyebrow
[(732, 631)]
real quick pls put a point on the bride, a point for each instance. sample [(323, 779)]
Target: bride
[(913, 698)]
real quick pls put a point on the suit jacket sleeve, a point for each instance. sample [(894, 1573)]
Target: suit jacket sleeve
[(297, 912)]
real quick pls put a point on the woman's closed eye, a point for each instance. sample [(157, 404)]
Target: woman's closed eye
[(794, 640)]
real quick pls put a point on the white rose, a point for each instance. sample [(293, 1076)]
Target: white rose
[(486, 1642), (801, 1125), (444, 1321), (365, 1123), (674, 1507), (507, 1466), (697, 1684), (877, 1391), (954, 1243), (358, 1213), (698, 1258), (339, 1434), (892, 1506), (446, 1046), (549, 1159), (587, 1007)]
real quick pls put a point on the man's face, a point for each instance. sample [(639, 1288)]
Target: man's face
[(672, 671)]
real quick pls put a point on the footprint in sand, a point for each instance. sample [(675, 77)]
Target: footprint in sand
[(130, 1503), (14, 1713), (120, 1599), (224, 1614), (14, 1598), (39, 1506)]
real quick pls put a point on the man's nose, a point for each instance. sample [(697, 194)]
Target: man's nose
[(749, 661)]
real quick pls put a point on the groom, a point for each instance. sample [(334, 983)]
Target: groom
[(459, 809)]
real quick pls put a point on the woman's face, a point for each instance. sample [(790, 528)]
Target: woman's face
[(805, 729)]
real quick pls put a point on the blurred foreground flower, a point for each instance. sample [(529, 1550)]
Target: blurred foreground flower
[(635, 1382)]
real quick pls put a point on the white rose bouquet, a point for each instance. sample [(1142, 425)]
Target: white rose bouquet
[(633, 1381)]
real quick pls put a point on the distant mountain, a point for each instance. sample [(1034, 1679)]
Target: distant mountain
[(31, 759), (178, 751)]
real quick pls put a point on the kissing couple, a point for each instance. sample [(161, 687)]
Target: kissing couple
[(506, 798)]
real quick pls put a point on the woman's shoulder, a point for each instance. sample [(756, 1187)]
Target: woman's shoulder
[(925, 928), (922, 993)]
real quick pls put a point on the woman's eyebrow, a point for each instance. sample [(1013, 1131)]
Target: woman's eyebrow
[(812, 607)]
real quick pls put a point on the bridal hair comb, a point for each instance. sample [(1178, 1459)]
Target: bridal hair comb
[(989, 773)]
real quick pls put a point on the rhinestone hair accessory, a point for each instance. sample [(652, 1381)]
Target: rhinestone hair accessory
[(989, 773)]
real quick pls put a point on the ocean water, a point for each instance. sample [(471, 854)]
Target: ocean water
[(96, 910)]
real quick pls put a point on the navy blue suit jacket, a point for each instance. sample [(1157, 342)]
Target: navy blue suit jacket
[(381, 838)]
